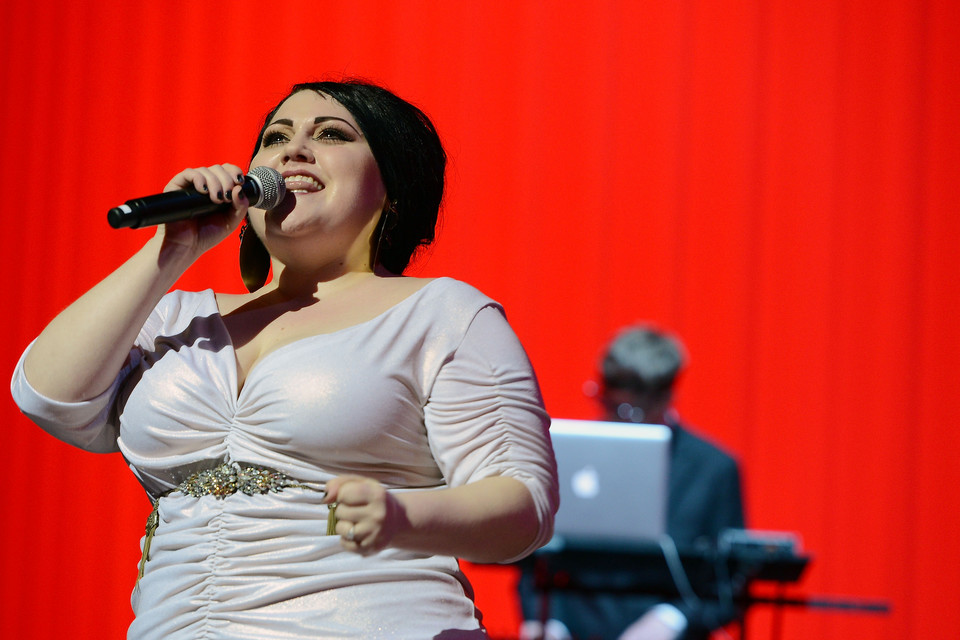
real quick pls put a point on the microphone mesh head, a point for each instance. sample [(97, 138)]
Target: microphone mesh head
[(272, 188)]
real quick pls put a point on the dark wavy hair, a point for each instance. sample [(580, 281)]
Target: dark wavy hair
[(412, 163)]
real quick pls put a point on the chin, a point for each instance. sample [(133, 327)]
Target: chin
[(288, 230), (284, 208)]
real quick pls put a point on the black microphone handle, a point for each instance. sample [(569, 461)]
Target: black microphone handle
[(161, 208), (263, 187)]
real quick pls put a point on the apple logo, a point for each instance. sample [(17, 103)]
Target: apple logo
[(586, 483)]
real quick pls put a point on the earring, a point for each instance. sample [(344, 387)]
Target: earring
[(391, 216), (388, 222), (254, 259)]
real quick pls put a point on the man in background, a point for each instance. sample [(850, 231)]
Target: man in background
[(638, 372)]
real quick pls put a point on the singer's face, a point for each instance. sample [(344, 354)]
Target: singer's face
[(334, 189)]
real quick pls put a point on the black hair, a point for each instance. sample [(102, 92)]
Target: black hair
[(411, 159)]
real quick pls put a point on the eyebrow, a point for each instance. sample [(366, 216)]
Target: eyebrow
[(317, 120)]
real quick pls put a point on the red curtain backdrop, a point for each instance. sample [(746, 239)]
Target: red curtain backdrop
[(774, 180)]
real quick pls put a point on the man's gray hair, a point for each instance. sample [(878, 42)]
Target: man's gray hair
[(643, 359)]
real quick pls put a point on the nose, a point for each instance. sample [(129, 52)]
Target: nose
[(297, 149)]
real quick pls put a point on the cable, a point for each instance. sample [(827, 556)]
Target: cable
[(680, 580), (725, 582)]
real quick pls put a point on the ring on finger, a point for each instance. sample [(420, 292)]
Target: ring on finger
[(351, 534)]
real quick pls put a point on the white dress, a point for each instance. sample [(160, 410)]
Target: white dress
[(434, 392)]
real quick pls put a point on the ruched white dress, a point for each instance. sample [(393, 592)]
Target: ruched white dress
[(434, 392)]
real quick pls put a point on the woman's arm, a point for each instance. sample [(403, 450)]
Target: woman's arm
[(78, 355), (490, 520), (488, 432)]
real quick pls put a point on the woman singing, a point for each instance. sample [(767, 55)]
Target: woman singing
[(322, 449)]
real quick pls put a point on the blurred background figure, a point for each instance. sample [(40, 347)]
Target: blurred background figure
[(638, 374)]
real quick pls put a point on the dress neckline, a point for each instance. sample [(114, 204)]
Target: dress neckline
[(238, 387)]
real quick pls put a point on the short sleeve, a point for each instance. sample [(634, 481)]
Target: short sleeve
[(89, 424), (485, 417), (83, 424)]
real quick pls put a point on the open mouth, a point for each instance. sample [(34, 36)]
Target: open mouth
[(301, 183)]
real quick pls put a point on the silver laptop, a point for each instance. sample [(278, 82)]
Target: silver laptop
[(613, 484)]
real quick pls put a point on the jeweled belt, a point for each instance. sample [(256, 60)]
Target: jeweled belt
[(226, 480)]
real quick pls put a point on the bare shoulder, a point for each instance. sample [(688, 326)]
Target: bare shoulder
[(229, 302), (405, 284), (399, 288)]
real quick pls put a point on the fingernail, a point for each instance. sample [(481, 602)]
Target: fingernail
[(239, 178), (204, 188), (220, 194)]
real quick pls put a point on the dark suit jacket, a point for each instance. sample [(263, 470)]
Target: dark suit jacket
[(705, 498)]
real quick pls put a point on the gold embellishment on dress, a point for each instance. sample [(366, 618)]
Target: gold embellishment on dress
[(332, 519), (228, 479), (222, 481), (152, 521)]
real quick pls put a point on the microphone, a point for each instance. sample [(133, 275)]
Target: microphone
[(263, 186)]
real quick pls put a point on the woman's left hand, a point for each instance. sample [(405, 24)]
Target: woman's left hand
[(368, 516)]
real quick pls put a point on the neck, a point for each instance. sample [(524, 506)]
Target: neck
[(294, 283)]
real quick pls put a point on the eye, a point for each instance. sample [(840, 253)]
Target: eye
[(271, 138), (332, 134)]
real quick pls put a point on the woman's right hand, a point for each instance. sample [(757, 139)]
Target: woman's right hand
[(222, 182), (77, 357)]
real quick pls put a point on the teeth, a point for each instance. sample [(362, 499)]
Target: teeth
[(300, 181)]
